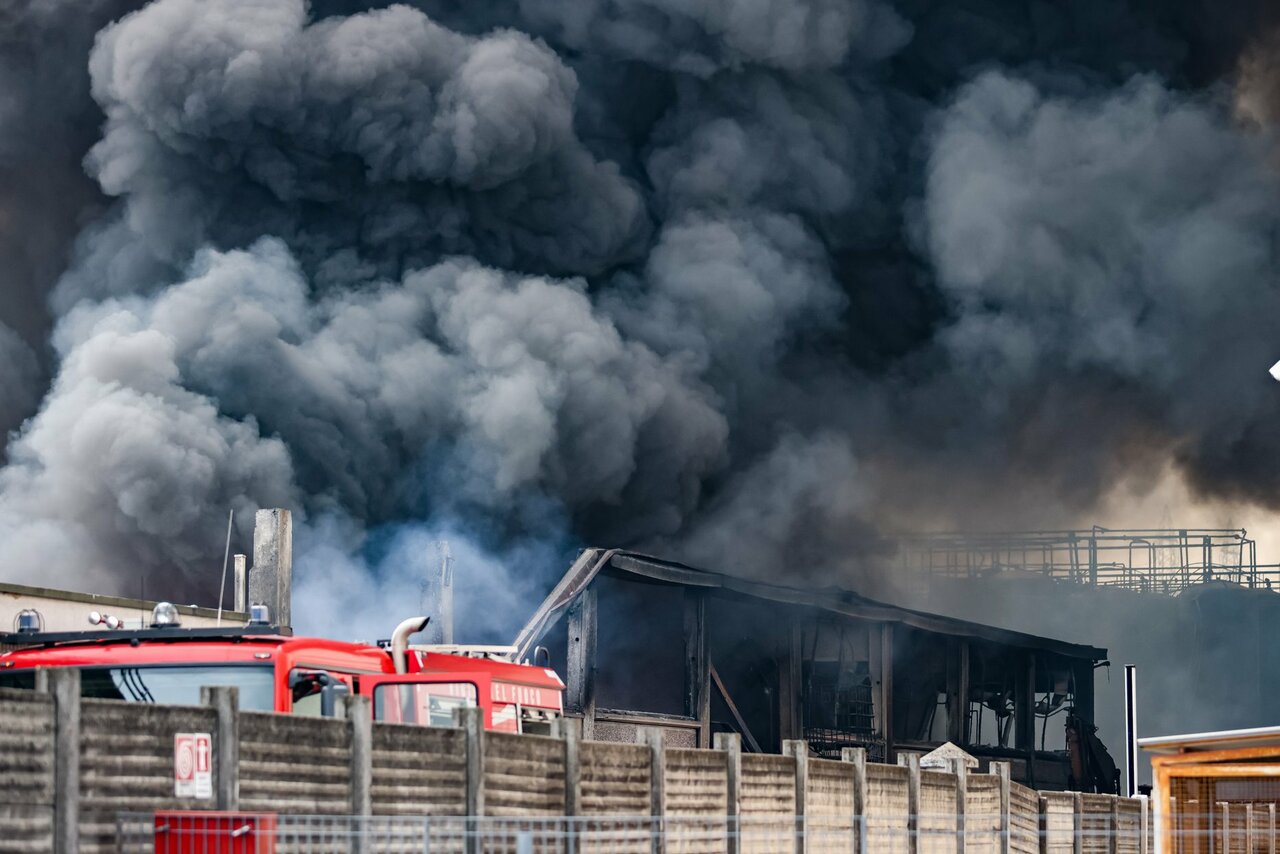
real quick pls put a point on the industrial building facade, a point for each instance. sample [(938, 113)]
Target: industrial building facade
[(649, 642)]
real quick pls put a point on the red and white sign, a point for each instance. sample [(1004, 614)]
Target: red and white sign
[(192, 765)]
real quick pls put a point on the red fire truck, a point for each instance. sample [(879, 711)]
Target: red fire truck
[(274, 671)]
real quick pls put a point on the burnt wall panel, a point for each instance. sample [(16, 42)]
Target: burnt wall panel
[(26, 771), (523, 775), (419, 770), (294, 764)]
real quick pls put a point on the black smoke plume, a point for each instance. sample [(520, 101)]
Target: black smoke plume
[(751, 283)]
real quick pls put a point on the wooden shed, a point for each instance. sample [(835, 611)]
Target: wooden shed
[(1216, 791)]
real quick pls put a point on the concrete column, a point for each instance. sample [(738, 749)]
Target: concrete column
[(961, 770), (1077, 824), (1003, 771), (731, 744), (360, 719), (225, 700), (912, 763), (652, 736), (359, 714), (241, 584), (271, 581), (1042, 824), (858, 756), (471, 722), (1113, 838), (570, 729), (798, 749), (65, 686)]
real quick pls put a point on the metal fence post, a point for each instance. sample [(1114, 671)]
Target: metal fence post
[(731, 744), (652, 736), (225, 700), (858, 756), (64, 683)]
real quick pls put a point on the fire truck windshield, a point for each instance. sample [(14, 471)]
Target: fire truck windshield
[(170, 685)]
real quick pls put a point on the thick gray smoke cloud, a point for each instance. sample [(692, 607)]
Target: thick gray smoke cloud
[(748, 282)]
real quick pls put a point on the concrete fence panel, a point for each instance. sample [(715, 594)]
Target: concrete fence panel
[(294, 764), (523, 775), (696, 792), (1096, 824), (614, 779), (418, 771), (127, 763), (767, 799), (982, 826), (829, 808), (1024, 820), (1058, 820), (1129, 825), (937, 822), (26, 771), (888, 809)]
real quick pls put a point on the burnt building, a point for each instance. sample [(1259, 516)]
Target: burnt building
[(649, 642)]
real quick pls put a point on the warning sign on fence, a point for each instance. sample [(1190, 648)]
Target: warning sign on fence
[(192, 765)]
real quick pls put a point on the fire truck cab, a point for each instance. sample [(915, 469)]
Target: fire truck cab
[(278, 672)]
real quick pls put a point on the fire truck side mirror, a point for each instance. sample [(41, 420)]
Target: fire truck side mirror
[(305, 683)]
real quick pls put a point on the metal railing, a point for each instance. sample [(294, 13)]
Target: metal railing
[(1154, 560), (924, 834)]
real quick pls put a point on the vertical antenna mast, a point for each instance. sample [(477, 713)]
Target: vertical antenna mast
[(226, 555)]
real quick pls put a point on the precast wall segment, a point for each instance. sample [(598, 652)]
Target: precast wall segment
[(294, 764), (418, 771), (1096, 824), (829, 808), (696, 795), (888, 809), (1024, 819), (937, 822), (767, 802), (523, 775), (614, 779), (1059, 810), (126, 763), (26, 771), (982, 817)]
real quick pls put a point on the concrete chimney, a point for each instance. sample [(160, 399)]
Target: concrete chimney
[(271, 578), (242, 584)]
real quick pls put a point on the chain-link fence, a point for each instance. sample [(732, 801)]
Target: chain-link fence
[(267, 833)]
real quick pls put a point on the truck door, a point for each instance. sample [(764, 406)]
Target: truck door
[(427, 699)]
